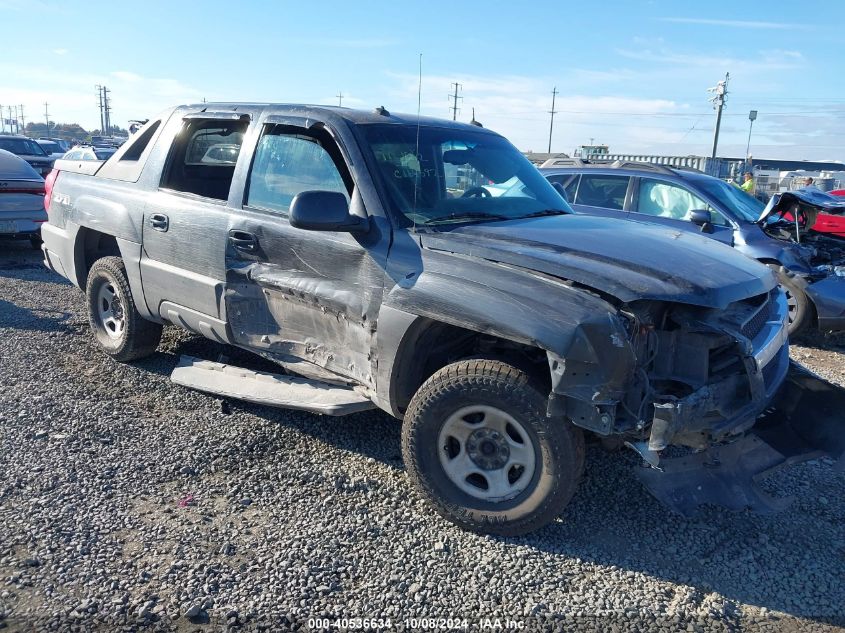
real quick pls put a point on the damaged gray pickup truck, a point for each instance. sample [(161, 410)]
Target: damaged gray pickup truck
[(426, 268)]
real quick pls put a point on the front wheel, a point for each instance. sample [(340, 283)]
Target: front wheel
[(799, 306), (118, 328), (477, 442)]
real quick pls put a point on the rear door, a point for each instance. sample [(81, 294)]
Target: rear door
[(306, 298), (670, 203), (186, 220), (601, 194)]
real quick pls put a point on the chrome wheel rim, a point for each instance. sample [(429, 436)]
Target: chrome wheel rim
[(486, 453), (110, 311), (791, 305)]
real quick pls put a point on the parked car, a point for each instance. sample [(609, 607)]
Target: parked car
[(63, 143), (29, 150), (499, 329), (693, 202), (53, 149), (21, 199), (830, 215), (89, 153)]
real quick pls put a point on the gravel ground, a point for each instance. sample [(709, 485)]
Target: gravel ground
[(129, 503)]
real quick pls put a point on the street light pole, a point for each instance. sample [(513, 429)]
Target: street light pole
[(752, 116)]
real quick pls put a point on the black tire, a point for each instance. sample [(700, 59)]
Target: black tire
[(558, 447), (35, 242), (136, 337), (800, 307)]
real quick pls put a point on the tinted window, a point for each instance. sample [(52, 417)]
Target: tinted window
[(667, 200), (140, 142), (607, 192), (22, 147), (288, 164)]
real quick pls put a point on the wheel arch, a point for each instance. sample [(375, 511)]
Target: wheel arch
[(91, 245)]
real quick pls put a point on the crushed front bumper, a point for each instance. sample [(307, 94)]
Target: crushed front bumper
[(805, 420)]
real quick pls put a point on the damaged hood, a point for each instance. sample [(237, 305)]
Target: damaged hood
[(810, 199), (627, 260)]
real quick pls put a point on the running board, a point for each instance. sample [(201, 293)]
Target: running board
[(276, 390)]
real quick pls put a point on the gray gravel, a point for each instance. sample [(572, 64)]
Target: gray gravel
[(126, 501)]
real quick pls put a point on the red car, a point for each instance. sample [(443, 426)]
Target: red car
[(831, 223)]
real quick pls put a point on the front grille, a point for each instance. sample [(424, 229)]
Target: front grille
[(752, 327)]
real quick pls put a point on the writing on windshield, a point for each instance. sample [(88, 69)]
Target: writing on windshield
[(452, 175)]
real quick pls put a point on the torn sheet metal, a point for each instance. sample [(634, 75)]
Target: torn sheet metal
[(805, 421), (276, 390)]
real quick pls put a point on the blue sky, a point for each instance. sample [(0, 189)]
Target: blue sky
[(633, 75)]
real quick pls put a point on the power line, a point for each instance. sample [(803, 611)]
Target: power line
[(454, 108), (552, 120)]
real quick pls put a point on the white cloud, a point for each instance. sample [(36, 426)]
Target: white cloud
[(742, 24), (73, 97)]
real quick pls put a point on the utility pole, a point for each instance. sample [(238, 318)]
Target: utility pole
[(339, 96), (23, 121), (552, 120), (100, 104), (47, 119), (17, 122), (107, 109), (455, 98), (2, 121), (718, 99)]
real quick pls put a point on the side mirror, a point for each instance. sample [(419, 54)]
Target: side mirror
[(561, 190), (703, 218), (324, 211)]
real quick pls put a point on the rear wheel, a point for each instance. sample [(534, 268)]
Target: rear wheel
[(800, 309), (477, 442), (35, 241), (118, 328)]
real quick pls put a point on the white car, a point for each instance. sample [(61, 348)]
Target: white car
[(21, 199), (90, 153)]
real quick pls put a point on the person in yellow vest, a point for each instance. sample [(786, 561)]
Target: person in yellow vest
[(747, 183)]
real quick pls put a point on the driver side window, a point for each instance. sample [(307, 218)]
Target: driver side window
[(286, 164), (666, 200)]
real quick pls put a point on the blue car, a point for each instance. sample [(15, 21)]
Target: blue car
[(809, 265)]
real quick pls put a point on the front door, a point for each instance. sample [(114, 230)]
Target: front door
[(307, 299), (668, 203)]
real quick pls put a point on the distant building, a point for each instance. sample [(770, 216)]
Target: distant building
[(538, 158), (592, 151)]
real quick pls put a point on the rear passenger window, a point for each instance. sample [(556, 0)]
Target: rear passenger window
[(202, 159), (607, 192), (286, 164)]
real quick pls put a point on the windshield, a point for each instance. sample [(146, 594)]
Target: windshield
[(51, 148), (458, 176), (22, 147), (103, 154), (734, 199)]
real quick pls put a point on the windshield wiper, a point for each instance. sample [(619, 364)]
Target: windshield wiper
[(463, 217), (544, 212)]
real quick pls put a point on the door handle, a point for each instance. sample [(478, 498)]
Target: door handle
[(159, 222), (243, 241)]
